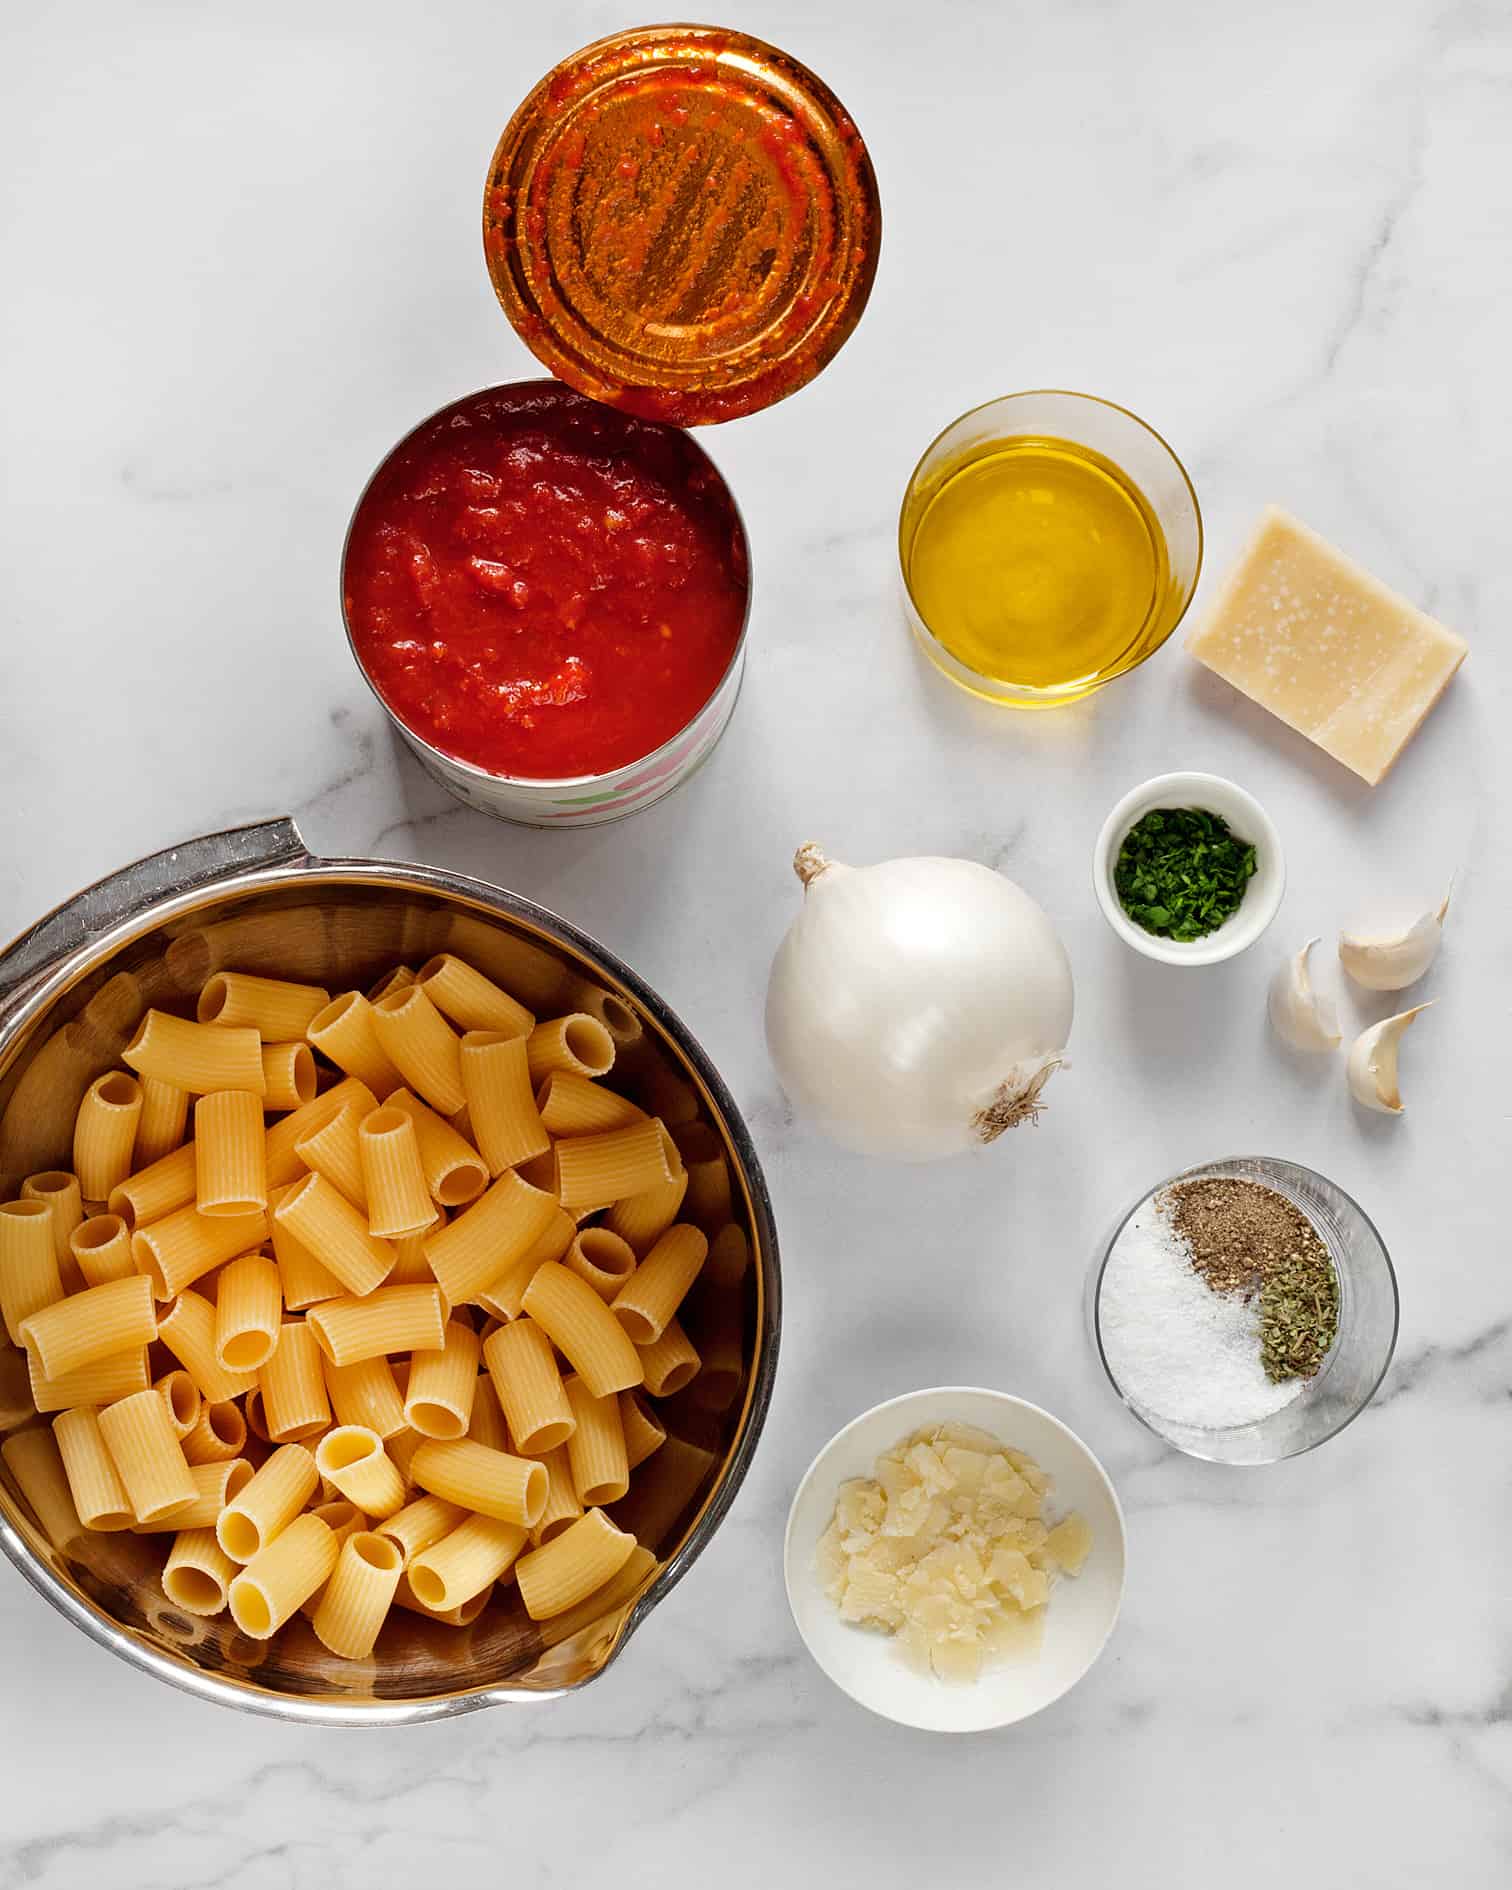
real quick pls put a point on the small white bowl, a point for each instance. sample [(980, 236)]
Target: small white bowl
[(1080, 1614), (1247, 820)]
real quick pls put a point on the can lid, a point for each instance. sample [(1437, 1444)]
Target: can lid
[(682, 221)]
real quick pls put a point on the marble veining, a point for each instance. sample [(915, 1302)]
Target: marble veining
[(243, 259)]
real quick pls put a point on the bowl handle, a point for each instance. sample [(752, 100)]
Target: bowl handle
[(129, 892)]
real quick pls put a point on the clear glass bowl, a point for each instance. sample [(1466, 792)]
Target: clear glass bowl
[(1368, 1316)]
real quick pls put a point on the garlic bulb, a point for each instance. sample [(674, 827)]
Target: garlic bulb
[(1372, 1068), (1301, 1016), (917, 1008), (1391, 964)]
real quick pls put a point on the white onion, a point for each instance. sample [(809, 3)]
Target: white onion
[(916, 1008)]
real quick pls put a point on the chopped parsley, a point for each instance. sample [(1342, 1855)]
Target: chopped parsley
[(1181, 872)]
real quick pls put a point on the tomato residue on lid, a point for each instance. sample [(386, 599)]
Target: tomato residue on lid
[(543, 586)]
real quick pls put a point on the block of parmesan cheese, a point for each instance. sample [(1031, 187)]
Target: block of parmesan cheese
[(1309, 635)]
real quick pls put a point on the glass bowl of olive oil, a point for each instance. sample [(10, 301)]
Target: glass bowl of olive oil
[(1049, 541)]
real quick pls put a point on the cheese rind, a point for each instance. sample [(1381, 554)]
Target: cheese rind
[(1314, 638)]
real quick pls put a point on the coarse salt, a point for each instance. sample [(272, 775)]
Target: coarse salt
[(1177, 1350)]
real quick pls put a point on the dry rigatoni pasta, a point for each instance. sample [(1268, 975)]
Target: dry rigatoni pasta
[(596, 1448), (602, 1259), (358, 1595), (29, 1276), (344, 1032), (571, 1104), (438, 1399), (644, 1431), (417, 1039), (392, 1319), (289, 1075), (65, 1201), (198, 1573), (336, 1233), (155, 1192), (101, 1248), (91, 1325), (175, 1251), (332, 1150), (394, 980), (562, 1505), (501, 1103), (487, 1424), (467, 1562), (164, 1117), (215, 1485), (566, 1570), (491, 1482), (594, 1170), (642, 1219), (196, 1057), (659, 1285), (230, 1153), (275, 1009), (285, 1135), (281, 1575), (707, 1201), (147, 1455), (304, 1280), (522, 1365), (98, 1493), (583, 1329), (411, 1268), (105, 1133), (365, 1393), (471, 1001), (669, 1362), (268, 1504), (248, 1313), (729, 1257), (352, 1459), (420, 1523), (33, 1459), (292, 1382), (101, 1383), (219, 1433), (489, 1237), (188, 1331), (393, 1176), (577, 1042), (455, 1173), (182, 1397)]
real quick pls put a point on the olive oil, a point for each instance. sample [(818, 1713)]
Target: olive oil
[(1038, 563)]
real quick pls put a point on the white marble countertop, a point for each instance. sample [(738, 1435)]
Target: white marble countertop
[(242, 257)]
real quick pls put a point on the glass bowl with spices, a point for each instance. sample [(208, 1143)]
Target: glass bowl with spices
[(1188, 869), (1244, 1310)]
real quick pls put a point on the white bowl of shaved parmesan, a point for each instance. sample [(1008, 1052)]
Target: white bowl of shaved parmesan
[(955, 1559)]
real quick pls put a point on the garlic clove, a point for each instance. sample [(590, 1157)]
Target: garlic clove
[(1301, 1016), (1391, 964), (1372, 1068)]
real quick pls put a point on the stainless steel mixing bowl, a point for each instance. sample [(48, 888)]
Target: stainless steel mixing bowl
[(72, 990)]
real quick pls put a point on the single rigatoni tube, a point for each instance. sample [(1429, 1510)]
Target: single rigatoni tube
[(522, 1365), (332, 1150), (419, 1041), (147, 1455), (196, 1057), (669, 1361), (562, 1505), (268, 1504), (644, 1431), (411, 1268), (345, 1033), (467, 1562), (365, 1393), (64, 1197), (358, 1596), (303, 1279), (98, 1493), (91, 1325), (353, 1460), (105, 1133), (398, 1200), (394, 980), (420, 1523), (570, 1104), (596, 1448), (659, 1285), (164, 1118), (29, 1276), (284, 1165), (188, 1331), (406, 1598), (729, 1257), (101, 1248), (99, 1384), (248, 1313), (275, 1009), (569, 1568), (392, 1319), (215, 1485), (583, 1329), (183, 1399), (455, 1173), (602, 1259), (176, 1250), (577, 1042), (198, 1573), (230, 1153), (293, 1386), (501, 1104), (220, 1433), (487, 1425), (605, 1602), (471, 1001), (491, 1237), (512, 1489), (280, 1576), (642, 1219), (289, 1075), (597, 1169), (336, 1233), (438, 1400), (613, 1012), (34, 1460), (151, 1194)]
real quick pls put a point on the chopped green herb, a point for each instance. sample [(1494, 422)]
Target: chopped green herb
[(1181, 872)]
